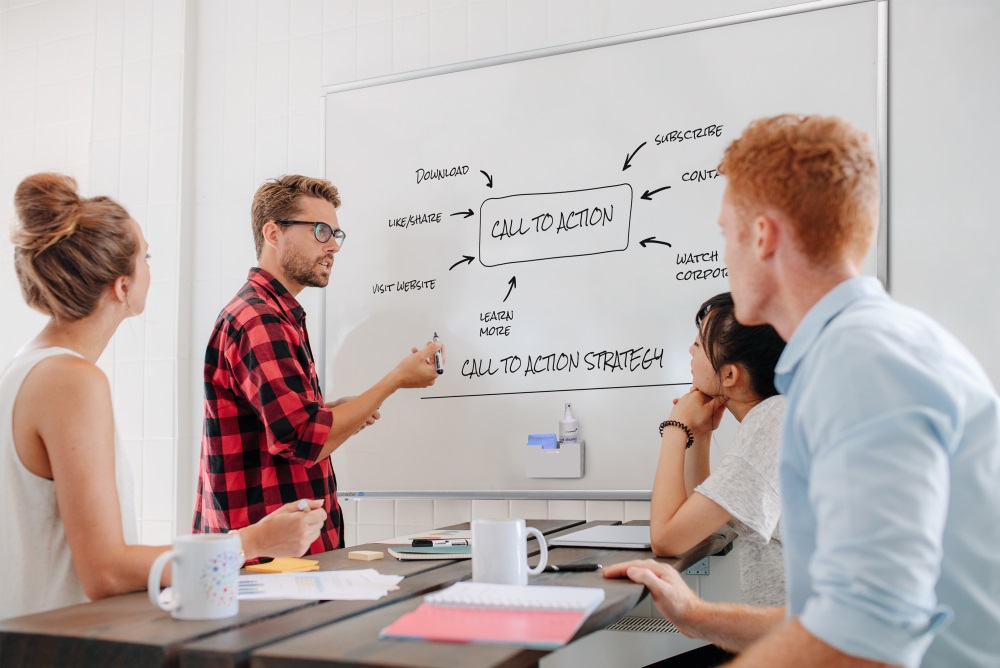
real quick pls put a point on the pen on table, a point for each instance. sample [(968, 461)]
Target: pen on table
[(571, 568), (427, 542), (438, 362)]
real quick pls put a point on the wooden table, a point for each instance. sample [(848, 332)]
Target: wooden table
[(355, 641), (128, 631)]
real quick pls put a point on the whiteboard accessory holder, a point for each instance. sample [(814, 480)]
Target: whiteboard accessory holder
[(564, 461)]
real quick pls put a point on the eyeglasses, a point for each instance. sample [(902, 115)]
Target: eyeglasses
[(321, 231)]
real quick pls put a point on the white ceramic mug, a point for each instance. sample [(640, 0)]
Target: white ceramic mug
[(204, 577), (500, 551)]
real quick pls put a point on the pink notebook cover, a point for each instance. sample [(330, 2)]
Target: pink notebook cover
[(540, 629)]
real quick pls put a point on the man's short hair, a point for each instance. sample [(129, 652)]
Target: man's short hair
[(820, 172), (278, 199)]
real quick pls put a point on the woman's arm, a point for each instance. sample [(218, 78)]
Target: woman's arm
[(63, 414), (696, 462), (678, 521), (65, 404)]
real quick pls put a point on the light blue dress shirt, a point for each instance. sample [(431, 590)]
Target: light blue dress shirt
[(890, 484)]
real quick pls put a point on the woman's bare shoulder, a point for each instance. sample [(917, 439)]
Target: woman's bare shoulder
[(62, 379)]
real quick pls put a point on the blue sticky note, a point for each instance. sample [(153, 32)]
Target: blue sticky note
[(547, 441)]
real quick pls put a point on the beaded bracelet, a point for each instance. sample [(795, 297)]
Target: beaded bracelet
[(681, 425)]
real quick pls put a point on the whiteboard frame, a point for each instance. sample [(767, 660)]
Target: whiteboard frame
[(882, 147)]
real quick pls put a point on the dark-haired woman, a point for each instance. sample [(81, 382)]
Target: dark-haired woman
[(732, 369), (68, 524)]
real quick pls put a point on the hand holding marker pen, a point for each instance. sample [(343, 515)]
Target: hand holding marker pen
[(438, 362)]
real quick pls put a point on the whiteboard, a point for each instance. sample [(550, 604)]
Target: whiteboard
[(552, 216)]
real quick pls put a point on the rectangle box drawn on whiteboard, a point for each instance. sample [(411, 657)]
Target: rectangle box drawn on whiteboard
[(545, 226)]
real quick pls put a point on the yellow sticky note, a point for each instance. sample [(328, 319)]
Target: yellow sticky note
[(365, 555), (285, 565)]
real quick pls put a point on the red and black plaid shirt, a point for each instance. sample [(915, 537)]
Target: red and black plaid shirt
[(265, 419)]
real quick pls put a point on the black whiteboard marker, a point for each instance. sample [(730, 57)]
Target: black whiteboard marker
[(438, 363)]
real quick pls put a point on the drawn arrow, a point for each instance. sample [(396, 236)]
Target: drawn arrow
[(465, 258), (649, 193), (632, 155), (467, 213), (488, 177), (513, 284), (652, 240)]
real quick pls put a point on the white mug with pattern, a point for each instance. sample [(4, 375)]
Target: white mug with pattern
[(206, 568)]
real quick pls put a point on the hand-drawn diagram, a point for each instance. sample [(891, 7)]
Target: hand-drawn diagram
[(519, 228), (554, 220)]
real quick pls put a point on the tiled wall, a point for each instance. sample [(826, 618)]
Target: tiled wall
[(375, 519), (93, 88), (46, 88)]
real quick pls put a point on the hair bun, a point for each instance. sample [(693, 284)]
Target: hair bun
[(47, 206), (68, 249)]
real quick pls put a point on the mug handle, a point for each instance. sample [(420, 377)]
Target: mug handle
[(153, 584), (543, 556)]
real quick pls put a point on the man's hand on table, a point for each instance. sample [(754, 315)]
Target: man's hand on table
[(672, 596)]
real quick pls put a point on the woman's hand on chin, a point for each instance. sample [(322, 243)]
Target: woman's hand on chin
[(700, 412)]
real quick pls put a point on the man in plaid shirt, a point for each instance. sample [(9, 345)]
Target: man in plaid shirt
[(268, 434)]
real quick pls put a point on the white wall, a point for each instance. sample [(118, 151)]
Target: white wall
[(93, 88), (944, 141), (181, 108)]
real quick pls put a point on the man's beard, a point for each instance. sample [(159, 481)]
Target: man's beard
[(305, 271)]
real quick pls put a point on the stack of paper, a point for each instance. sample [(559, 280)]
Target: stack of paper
[(468, 612), (362, 585)]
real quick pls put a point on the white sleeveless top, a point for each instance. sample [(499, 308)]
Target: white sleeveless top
[(37, 572)]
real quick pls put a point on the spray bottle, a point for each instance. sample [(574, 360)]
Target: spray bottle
[(569, 428)]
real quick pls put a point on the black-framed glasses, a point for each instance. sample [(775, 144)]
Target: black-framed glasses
[(321, 231)]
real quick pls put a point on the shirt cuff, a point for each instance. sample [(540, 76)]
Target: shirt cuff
[(871, 631), (313, 437)]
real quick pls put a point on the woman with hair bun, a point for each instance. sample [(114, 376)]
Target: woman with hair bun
[(68, 525)]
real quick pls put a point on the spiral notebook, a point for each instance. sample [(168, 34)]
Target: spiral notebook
[(470, 612)]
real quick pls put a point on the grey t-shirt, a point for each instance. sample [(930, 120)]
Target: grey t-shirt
[(746, 485)]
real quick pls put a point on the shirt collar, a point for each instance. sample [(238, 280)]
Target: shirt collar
[(278, 292), (816, 320)]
